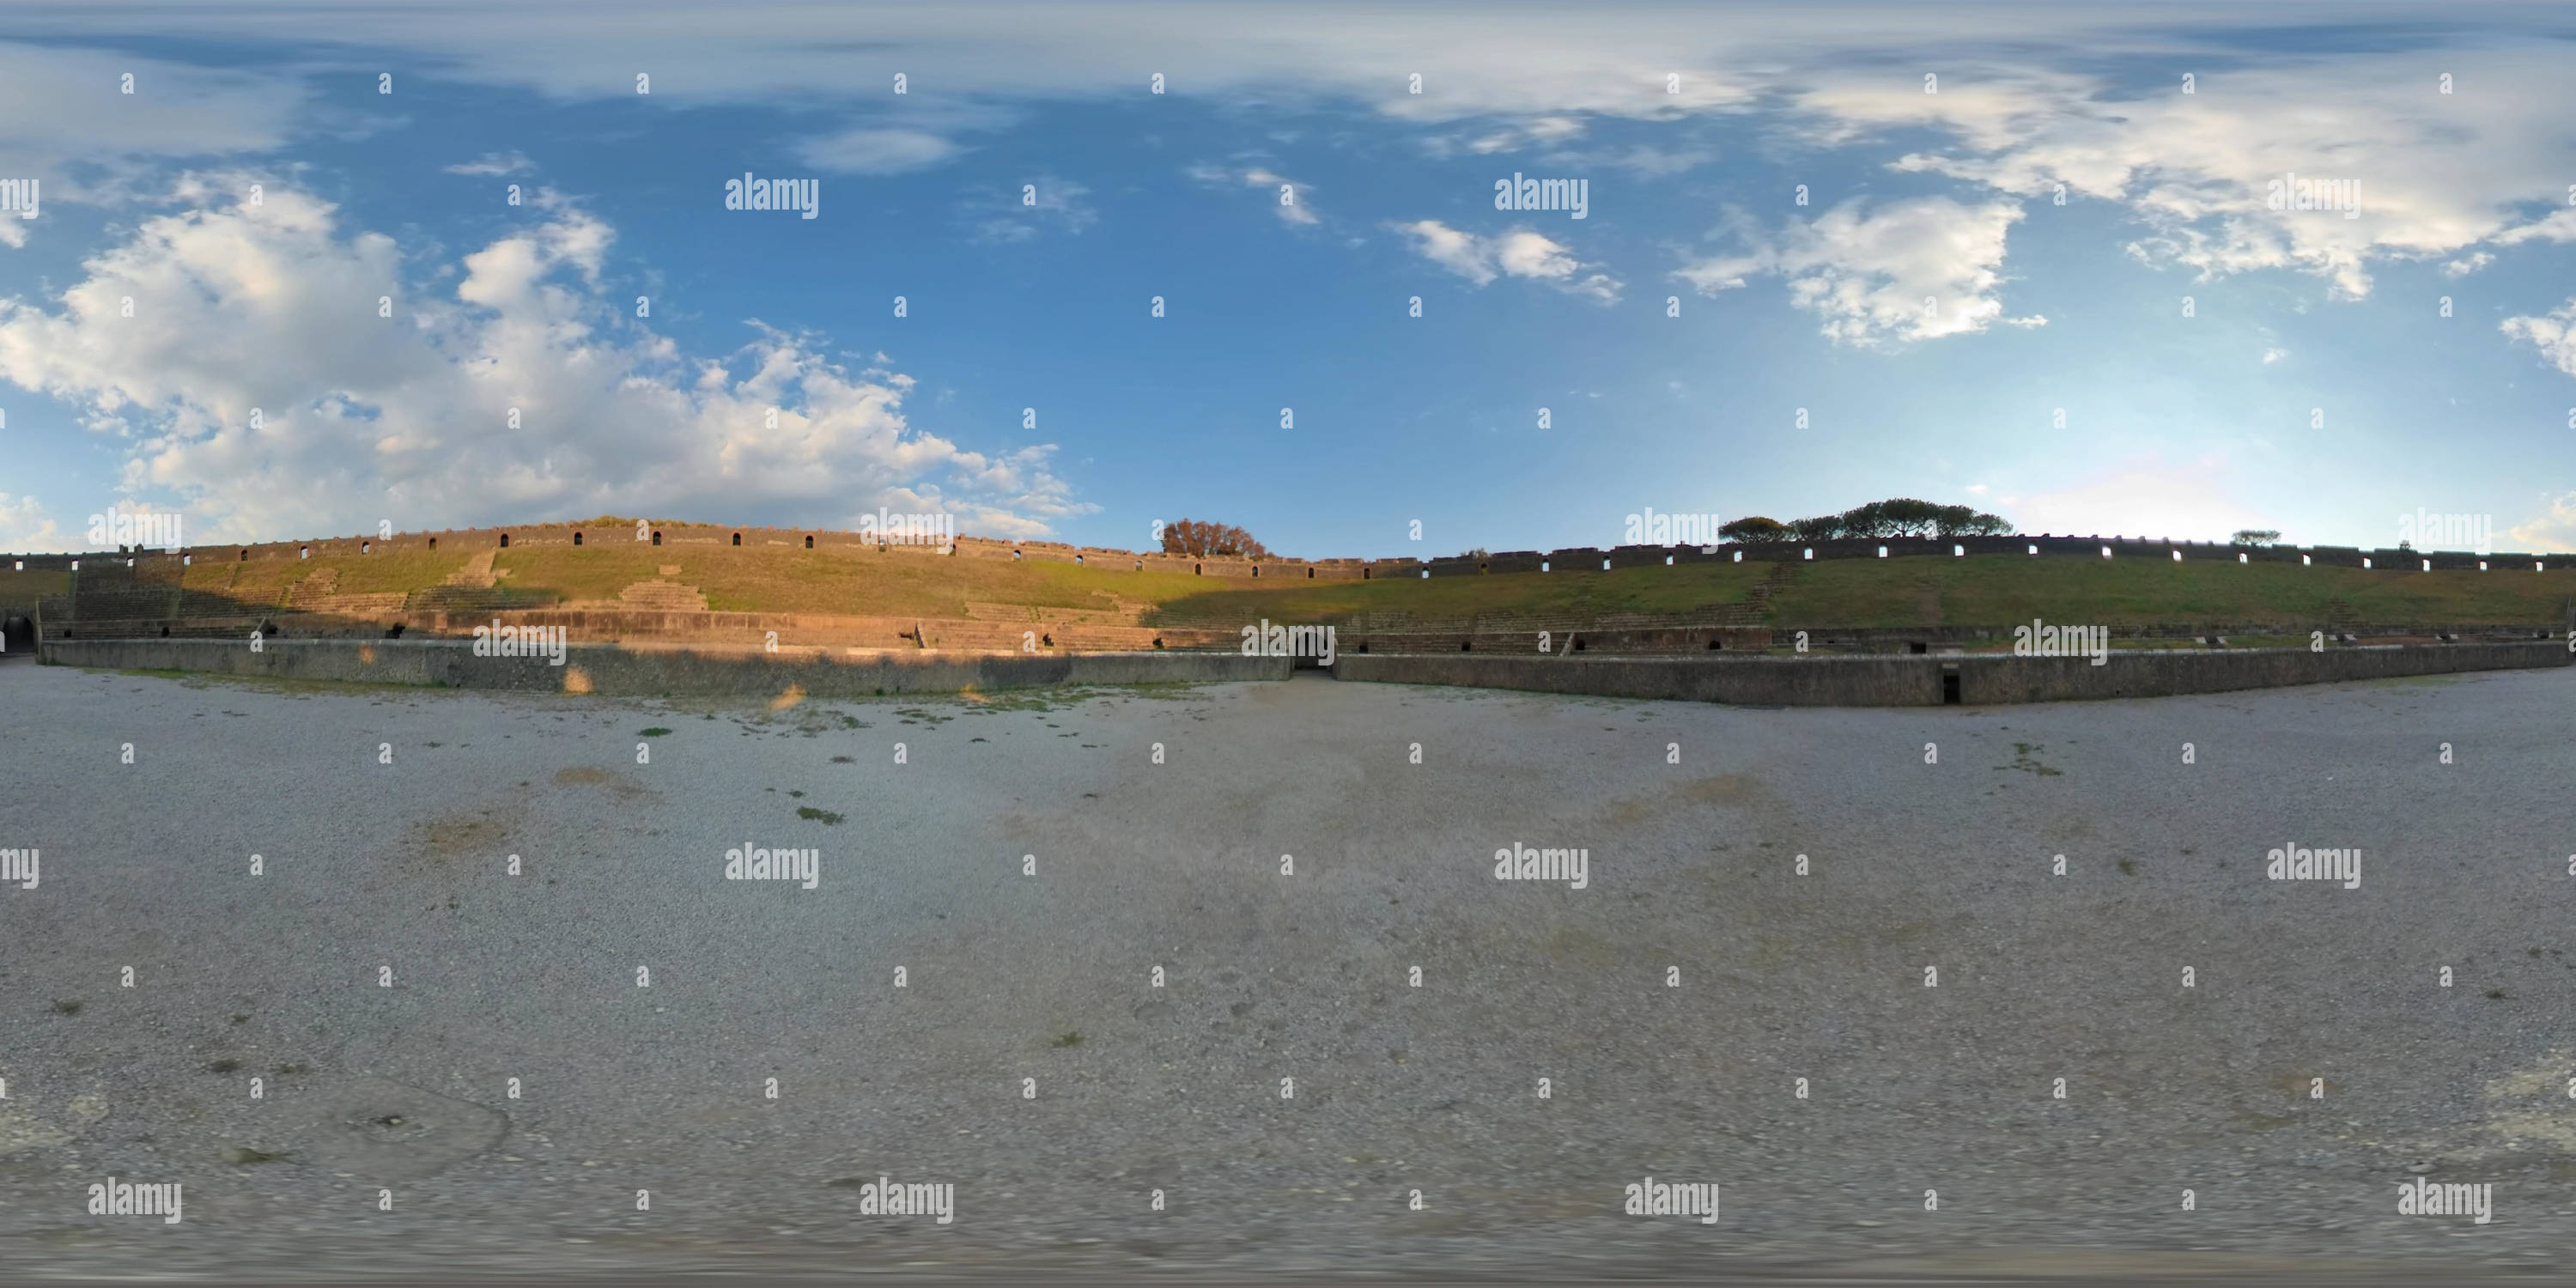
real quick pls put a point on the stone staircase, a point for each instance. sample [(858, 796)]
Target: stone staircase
[(319, 593), (1125, 614), (1756, 606), (469, 601), (471, 591), (663, 596), (310, 593), (476, 572)]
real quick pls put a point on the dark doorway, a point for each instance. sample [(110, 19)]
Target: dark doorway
[(657, 538), (576, 538), (737, 538), (505, 541), (809, 541), (19, 634), (1949, 686)]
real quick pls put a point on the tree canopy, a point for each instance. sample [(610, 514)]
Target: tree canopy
[(1754, 527), (1198, 538), (1895, 517)]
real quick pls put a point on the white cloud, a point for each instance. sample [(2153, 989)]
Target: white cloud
[(1293, 204), (2554, 335), (1868, 275), (2560, 226), (973, 54), (493, 164), (2552, 532), (1518, 253), (2274, 354), (26, 528), (2467, 264), (1292, 201), (2436, 173), (64, 121), (1513, 135), (1022, 212), (1451, 249), (2439, 173), (877, 151), (274, 307)]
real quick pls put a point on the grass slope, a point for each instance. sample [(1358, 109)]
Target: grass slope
[(1989, 590), (22, 587), (1681, 588), (1996, 590), (862, 581)]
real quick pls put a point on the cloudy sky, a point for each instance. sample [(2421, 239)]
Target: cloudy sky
[(331, 265)]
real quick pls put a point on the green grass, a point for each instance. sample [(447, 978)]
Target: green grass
[(861, 582), (263, 582), (1986, 590), (2001, 590), (1681, 588), (23, 587), (1983, 590)]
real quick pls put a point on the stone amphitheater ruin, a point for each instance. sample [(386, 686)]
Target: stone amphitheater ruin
[(151, 594)]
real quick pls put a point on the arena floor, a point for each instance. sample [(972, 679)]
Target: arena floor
[(1280, 854)]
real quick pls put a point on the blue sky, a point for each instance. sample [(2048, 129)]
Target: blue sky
[(2056, 200)]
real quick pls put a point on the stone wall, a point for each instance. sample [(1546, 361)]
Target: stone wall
[(1758, 681), (615, 670), (1900, 681), (2158, 673), (1579, 557)]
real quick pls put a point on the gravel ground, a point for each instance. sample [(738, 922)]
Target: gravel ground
[(403, 1090)]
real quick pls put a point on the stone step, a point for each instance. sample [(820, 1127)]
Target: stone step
[(665, 596), (476, 572)]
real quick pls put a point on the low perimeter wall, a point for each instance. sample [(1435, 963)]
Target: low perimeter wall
[(1918, 680), (652, 672), (1846, 681)]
